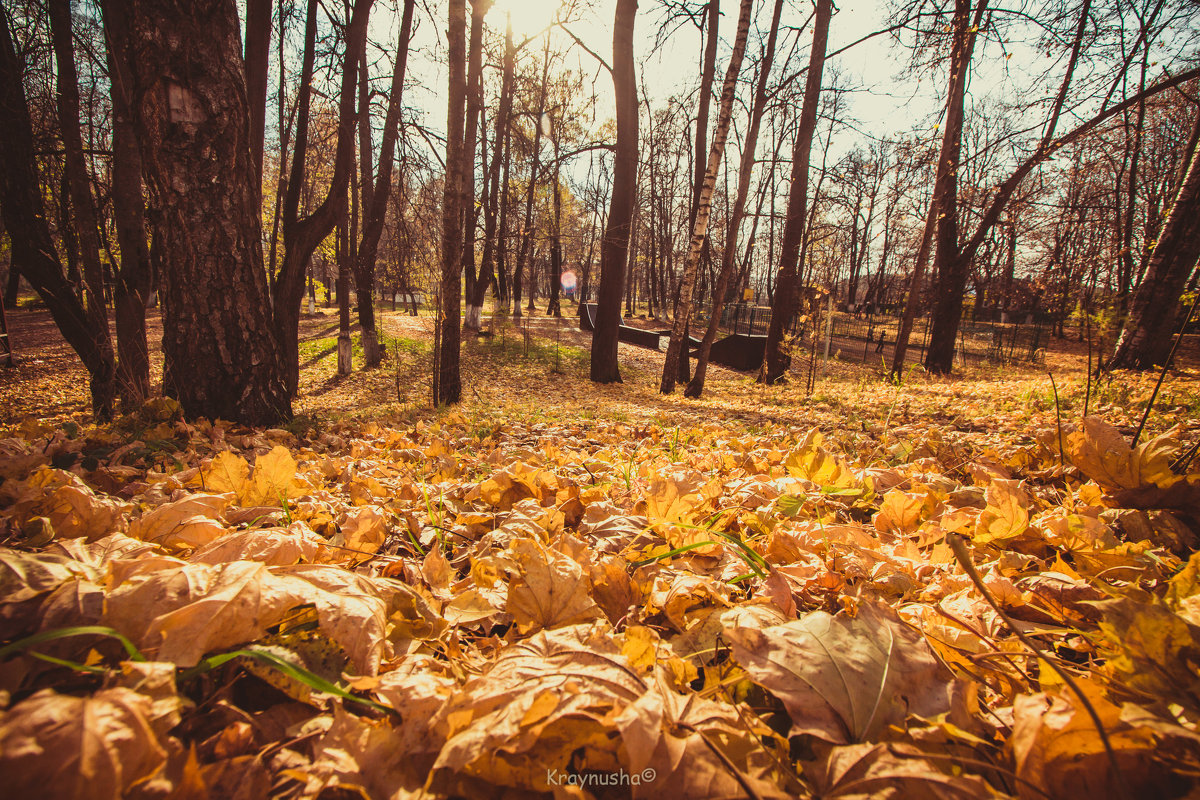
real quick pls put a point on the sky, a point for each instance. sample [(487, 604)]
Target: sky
[(886, 101), (891, 104)]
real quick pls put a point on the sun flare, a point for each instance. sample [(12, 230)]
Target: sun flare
[(528, 16)]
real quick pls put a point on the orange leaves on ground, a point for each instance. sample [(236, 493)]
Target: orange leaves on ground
[(548, 589), (1006, 516), (528, 600)]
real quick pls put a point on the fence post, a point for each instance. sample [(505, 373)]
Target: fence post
[(828, 333)]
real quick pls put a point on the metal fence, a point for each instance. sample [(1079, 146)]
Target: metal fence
[(864, 338), (872, 337)]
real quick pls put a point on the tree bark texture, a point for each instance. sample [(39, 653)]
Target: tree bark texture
[(615, 245), (479, 9), (258, 46), (695, 387), (301, 236), (134, 277), (375, 213), (949, 266), (491, 249), (190, 111), (79, 180), (449, 382), (1146, 340)]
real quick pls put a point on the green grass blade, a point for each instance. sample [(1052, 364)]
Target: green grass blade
[(670, 553), (296, 673), (79, 630)]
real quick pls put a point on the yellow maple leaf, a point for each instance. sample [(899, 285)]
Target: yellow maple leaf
[(900, 512), (228, 472), (275, 478), (1006, 516), (1101, 452)]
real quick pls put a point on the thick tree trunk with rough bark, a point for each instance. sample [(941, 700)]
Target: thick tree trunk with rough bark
[(695, 386), (676, 348), (32, 246), (614, 249), (1146, 340), (448, 381), (190, 111), (783, 308)]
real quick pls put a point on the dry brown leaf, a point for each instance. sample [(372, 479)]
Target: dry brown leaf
[(58, 746), (845, 679), (1058, 750), (548, 589), (891, 772), (180, 613), (1102, 453)]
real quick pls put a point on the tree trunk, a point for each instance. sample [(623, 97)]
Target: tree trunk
[(133, 278), (708, 74), (555, 279), (783, 308), (258, 46), (301, 236), (487, 266), (696, 386), (1146, 339), (948, 263), (221, 358), (375, 213), (479, 8), (32, 245), (915, 286), (676, 348), (614, 248), (526, 248), (79, 182), (449, 383)]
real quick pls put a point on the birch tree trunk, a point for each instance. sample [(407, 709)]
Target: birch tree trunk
[(683, 308), (695, 387)]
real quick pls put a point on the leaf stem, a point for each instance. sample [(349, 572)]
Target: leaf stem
[(958, 545)]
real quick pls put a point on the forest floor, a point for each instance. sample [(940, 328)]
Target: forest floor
[(942, 587)]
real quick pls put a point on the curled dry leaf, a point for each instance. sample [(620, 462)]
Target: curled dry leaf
[(1102, 453), (57, 746)]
